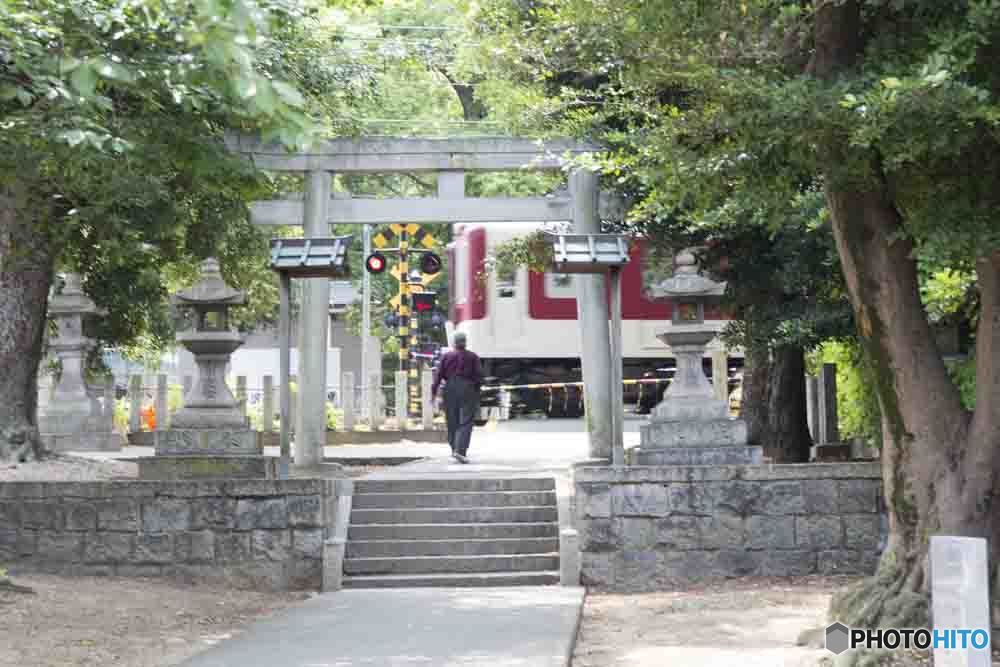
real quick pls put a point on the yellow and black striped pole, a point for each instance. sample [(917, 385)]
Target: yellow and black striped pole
[(404, 305)]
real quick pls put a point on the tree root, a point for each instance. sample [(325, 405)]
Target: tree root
[(883, 601)]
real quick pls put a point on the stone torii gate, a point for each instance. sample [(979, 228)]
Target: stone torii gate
[(449, 159)]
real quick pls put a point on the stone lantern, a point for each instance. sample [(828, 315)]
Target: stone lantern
[(70, 419), (691, 426), (211, 424)]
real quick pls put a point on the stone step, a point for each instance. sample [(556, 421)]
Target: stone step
[(482, 579), (388, 548), (455, 499), (470, 485), (451, 564), (453, 531), (455, 515)]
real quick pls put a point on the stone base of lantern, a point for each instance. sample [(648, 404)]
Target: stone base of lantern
[(709, 433), (75, 433), (208, 442), (166, 468), (82, 442), (697, 456)]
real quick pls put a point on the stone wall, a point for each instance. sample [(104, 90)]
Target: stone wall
[(254, 534), (651, 527)]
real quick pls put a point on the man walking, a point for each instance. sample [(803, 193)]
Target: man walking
[(462, 377)]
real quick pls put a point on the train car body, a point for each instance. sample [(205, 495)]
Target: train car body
[(524, 326)]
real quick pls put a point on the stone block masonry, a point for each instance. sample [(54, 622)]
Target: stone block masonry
[(251, 534), (653, 527)]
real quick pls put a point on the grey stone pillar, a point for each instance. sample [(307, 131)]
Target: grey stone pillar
[(375, 399), (812, 407), (828, 427), (426, 405), (347, 400), (109, 402), (188, 383), (161, 404), (135, 404), (241, 393), (314, 334), (720, 375), (592, 308), (267, 405), (402, 400)]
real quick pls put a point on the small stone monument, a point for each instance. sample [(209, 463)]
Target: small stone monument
[(71, 419), (691, 426), (209, 436)]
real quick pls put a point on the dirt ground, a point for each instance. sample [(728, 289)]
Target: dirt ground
[(88, 621), (739, 623), (61, 468)]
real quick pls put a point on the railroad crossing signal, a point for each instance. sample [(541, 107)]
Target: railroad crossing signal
[(375, 263), (415, 232)]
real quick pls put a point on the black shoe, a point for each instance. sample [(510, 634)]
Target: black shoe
[(461, 458)]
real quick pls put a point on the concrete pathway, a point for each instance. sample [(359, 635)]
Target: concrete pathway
[(503, 627)]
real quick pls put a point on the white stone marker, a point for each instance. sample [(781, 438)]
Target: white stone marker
[(375, 400), (267, 405), (347, 399), (426, 404), (135, 404), (162, 411), (241, 393), (720, 375), (402, 399), (960, 596)]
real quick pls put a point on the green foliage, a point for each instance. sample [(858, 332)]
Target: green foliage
[(963, 374), (334, 417), (858, 411)]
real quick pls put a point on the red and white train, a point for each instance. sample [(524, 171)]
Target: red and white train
[(523, 325)]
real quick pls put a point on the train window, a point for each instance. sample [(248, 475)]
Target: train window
[(507, 283), (461, 272), (559, 286)]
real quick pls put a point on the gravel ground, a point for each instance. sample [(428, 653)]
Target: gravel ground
[(740, 623), (98, 622), (60, 468)]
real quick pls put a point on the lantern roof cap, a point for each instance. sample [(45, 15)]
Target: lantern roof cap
[(688, 280), (210, 290)]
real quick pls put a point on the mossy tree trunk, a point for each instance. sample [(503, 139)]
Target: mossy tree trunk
[(939, 462)]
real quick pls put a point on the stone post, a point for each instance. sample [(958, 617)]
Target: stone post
[(109, 402), (375, 400), (960, 585), (267, 405), (314, 334), (828, 427), (720, 375), (347, 400), (402, 413), (427, 405), (241, 393), (592, 307), (188, 383), (135, 404), (161, 404), (812, 408)]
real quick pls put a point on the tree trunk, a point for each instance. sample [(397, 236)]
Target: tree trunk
[(755, 402), (26, 270), (924, 462), (787, 427)]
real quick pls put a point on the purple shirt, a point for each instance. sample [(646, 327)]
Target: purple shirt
[(457, 363)]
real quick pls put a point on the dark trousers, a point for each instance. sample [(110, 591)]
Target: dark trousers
[(461, 404)]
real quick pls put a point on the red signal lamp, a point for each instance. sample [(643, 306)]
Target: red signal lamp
[(375, 263), (423, 302)]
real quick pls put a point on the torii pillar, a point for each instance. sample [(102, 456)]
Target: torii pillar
[(592, 308), (314, 332)]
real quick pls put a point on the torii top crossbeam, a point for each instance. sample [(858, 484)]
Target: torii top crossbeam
[(389, 155)]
